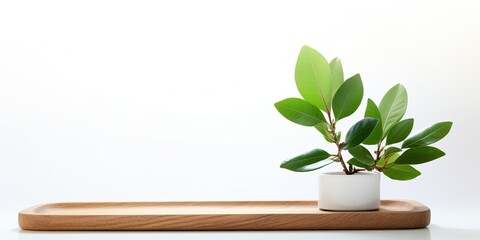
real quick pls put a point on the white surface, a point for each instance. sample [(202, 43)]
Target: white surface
[(337, 191), (173, 100)]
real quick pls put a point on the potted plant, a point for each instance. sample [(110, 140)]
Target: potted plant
[(327, 99)]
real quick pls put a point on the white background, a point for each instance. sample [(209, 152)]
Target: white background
[(157, 100)]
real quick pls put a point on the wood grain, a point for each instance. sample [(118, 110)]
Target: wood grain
[(246, 215)]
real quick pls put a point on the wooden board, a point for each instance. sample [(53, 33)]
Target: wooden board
[(253, 215)]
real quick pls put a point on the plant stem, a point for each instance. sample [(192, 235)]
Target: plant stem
[(330, 120), (340, 158), (379, 146), (339, 146), (378, 152)]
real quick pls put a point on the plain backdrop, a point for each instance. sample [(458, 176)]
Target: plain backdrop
[(173, 100)]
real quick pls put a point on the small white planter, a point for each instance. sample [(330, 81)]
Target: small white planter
[(357, 192)]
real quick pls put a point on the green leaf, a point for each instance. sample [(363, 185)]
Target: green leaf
[(387, 160), (400, 131), (359, 132), (348, 97), (418, 155), (323, 129), (392, 150), (373, 112), (309, 161), (300, 111), (393, 107), (357, 163), (313, 78), (429, 135), (401, 172), (336, 70), (362, 154), (339, 137)]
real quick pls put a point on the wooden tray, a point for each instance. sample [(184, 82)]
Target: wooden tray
[(258, 215)]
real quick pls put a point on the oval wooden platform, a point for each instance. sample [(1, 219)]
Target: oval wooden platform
[(251, 215)]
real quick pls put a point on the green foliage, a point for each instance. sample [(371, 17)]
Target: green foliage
[(356, 162), (393, 107), (401, 172), (324, 91), (309, 161), (373, 112), (391, 150), (387, 161), (336, 70), (363, 155), (313, 78), (359, 132), (418, 155), (348, 97), (339, 138), (428, 136), (400, 131), (300, 111), (323, 128)]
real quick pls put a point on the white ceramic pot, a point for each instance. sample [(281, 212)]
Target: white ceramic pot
[(357, 192)]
